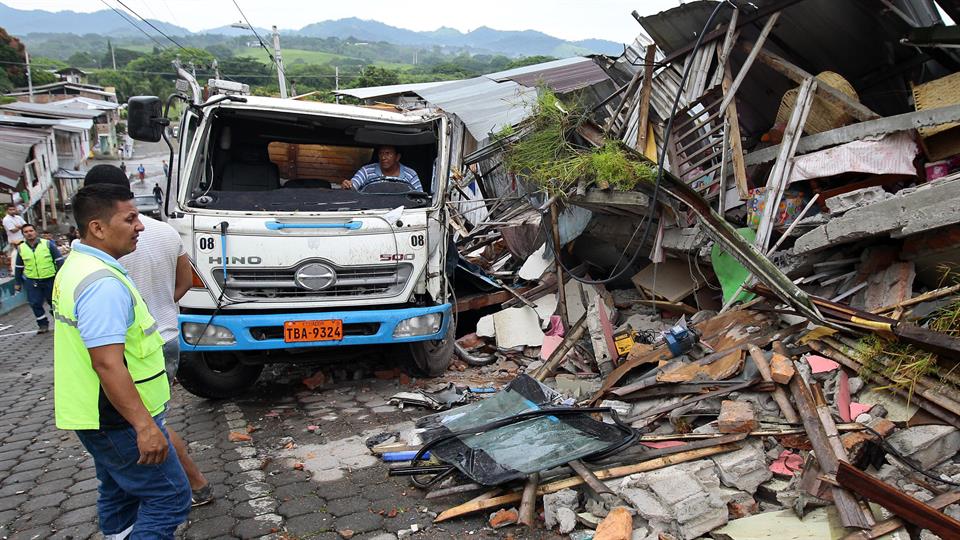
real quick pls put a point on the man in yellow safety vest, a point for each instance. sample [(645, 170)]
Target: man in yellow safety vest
[(37, 263), (110, 383)]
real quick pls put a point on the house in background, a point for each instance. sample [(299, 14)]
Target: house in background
[(104, 114), (58, 91), (72, 75)]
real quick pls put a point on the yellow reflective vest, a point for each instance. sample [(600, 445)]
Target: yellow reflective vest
[(79, 402), (37, 263)]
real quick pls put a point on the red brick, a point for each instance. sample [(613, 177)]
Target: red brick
[(737, 417), (781, 369)]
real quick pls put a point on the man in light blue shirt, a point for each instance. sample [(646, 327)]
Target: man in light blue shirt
[(388, 165)]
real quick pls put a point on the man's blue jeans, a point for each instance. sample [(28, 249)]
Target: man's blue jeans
[(38, 292), (154, 499)]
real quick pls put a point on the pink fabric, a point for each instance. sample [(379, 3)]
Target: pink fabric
[(819, 364), (556, 326), (892, 154), (550, 344), (662, 444), (856, 409), (788, 464)]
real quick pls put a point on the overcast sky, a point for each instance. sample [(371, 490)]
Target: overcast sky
[(567, 19)]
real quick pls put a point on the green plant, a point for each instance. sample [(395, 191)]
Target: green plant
[(545, 155)]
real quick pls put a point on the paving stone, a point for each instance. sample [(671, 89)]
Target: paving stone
[(57, 474), (258, 526), (316, 522), (287, 477), (55, 486), (25, 477), (44, 501), (255, 507), (293, 491), (338, 490), (343, 507), (359, 522), (81, 500), (301, 505), (86, 472), (10, 502), (250, 491), (74, 517), (32, 534), (76, 532), (41, 517), (210, 528)]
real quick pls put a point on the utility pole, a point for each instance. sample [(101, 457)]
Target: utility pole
[(113, 54), (26, 56), (276, 54), (336, 81), (216, 69)]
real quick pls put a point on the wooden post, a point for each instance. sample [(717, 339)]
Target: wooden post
[(767, 28), (645, 98), (780, 175), (736, 143), (561, 291), (573, 334), (528, 501)]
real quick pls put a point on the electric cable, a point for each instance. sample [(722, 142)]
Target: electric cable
[(257, 35), (151, 25), (124, 17), (648, 220)]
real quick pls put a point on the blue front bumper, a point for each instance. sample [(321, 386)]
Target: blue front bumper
[(387, 319)]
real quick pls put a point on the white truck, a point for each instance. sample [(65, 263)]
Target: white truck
[(284, 258)]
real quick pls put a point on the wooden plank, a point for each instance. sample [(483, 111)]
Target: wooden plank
[(645, 91), (606, 474), (736, 142), (755, 50), (528, 501), (779, 395), (478, 301), (779, 176), (827, 92), (906, 507)]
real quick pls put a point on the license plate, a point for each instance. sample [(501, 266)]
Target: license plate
[(300, 331)]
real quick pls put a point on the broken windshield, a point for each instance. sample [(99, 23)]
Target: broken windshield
[(286, 162)]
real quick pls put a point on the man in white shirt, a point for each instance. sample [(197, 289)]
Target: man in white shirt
[(12, 223), (160, 269)]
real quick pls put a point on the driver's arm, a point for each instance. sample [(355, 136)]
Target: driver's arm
[(357, 182)]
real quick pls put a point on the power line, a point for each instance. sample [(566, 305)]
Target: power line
[(254, 30), (150, 24), (135, 25)]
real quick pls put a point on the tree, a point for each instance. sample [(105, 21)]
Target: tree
[(83, 59), (123, 56), (220, 52), (13, 58), (376, 76)]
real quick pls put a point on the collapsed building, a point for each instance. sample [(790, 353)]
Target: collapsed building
[(766, 322)]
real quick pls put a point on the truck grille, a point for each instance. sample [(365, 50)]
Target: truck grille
[(279, 283)]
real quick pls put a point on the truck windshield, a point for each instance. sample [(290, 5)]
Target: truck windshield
[(285, 162)]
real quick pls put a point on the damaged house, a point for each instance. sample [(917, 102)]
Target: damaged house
[(720, 271)]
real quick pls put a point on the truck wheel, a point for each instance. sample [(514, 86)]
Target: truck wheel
[(433, 357), (216, 375)]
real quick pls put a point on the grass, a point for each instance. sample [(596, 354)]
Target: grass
[(903, 364), (546, 156), (291, 56)]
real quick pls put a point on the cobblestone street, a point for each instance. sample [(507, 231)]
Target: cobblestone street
[(48, 488)]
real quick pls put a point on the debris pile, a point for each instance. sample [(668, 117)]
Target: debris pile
[(726, 289)]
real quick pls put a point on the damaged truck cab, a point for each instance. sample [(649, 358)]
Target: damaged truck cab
[(285, 260)]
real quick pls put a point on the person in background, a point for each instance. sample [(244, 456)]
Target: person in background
[(123, 167), (37, 263), (166, 168), (160, 268), (141, 172), (12, 222), (110, 387), (158, 193)]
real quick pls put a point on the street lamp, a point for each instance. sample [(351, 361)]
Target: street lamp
[(278, 59)]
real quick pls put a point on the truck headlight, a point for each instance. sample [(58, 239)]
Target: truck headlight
[(422, 325), (212, 334)]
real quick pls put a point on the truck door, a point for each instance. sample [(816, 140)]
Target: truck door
[(188, 129)]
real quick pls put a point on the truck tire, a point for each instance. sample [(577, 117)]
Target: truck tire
[(433, 357), (216, 375)]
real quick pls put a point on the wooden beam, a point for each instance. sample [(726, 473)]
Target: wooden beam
[(779, 395), (645, 91), (606, 474), (886, 527), (754, 49), (736, 142), (827, 92)]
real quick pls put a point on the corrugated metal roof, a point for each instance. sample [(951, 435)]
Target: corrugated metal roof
[(372, 92), (87, 103), (56, 123), (15, 145), (560, 76), (483, 105), (51, 110)]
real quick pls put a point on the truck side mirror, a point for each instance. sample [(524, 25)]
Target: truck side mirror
[(145, 121)]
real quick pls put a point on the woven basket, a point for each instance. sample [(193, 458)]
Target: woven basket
[(940, 141), (824, 115)]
